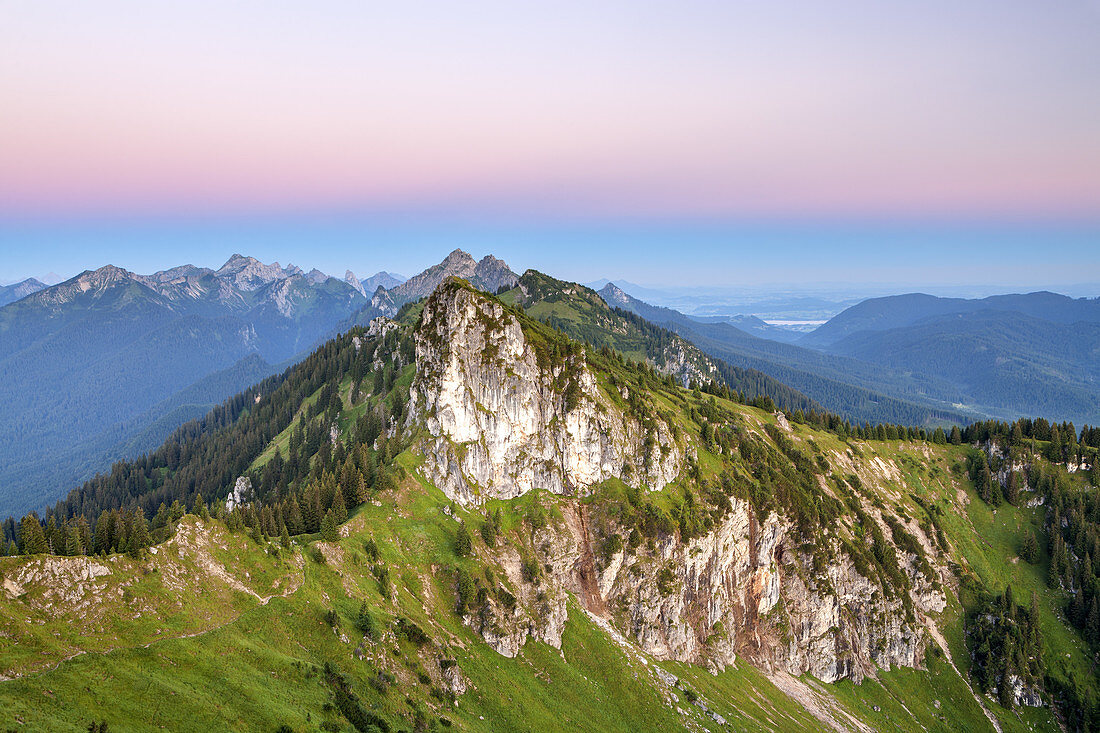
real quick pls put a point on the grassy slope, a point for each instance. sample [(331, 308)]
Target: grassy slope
[(254, 672), (257, 668)]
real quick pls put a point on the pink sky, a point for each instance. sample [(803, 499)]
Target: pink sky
[(578, 109)]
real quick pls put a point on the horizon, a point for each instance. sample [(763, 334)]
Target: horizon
[(661, 292), (866, 257)]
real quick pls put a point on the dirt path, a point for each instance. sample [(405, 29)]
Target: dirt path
[(938, 637), (816, 704), (584, 570)]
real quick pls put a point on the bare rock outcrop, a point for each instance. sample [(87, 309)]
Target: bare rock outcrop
[(504, 419)]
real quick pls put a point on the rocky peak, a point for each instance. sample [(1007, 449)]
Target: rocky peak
[(249, 274), (317, 277), (352, 280), (492, 273), (488, 274), (459, 260), (615, 296), (504, 418)]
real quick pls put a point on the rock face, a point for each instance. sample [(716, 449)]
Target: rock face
[(743, 589), (499, 425), (502, 423)]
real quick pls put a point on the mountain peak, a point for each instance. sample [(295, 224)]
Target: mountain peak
[(248, 273), (352, 280), (458, 258), (488, 274), (16, 291), (614, 295)]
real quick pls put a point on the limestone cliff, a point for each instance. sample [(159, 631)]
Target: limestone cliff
[(742, 589), (504, 417), (502, 420)]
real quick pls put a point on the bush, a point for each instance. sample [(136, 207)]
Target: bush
[(531, 571), (406, 629), (666, 582)]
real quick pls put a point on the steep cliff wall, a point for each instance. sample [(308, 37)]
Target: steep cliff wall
[(507, 415), (502, 419), (742, 589)]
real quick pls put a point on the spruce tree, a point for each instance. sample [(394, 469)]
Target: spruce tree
[(463, 542), (72, 540), (328, 527), (1030, 550), (139, 534), (32, 540), (339, 508)]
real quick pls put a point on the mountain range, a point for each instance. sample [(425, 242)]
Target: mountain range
[(1006, 355), (508, 512), (109, 362)]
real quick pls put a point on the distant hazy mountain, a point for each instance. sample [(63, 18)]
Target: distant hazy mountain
[(371, 284), (755, 326), (1008, 355), (108, 357), (15, 291), (488, 274), (857, 390), (895, 311)]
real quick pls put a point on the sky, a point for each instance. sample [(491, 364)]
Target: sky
[(664, 142)]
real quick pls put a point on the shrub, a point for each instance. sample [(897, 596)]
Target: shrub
[(531, 571), (666, 582), (408, 630)]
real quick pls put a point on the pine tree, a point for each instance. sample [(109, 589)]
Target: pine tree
[(464, 544), (311, 509), (54, 540), (72, 540), (360, 487), (1092, 623), (1030, 550), (1004, 689), (284, 537), (1012, 488), (956, 436), (199, 507), (328, 527), (139, 534), (32, 540), (339, 508)]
